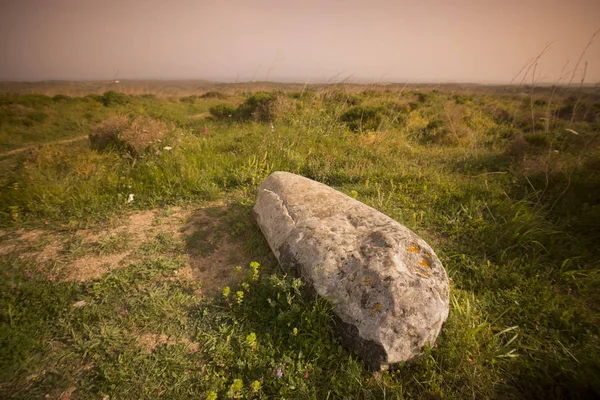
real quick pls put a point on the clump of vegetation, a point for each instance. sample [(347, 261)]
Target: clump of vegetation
[(188, 99), (223, 111), (136, 136), (95, 97), (260, 106), (339, 96), (61, 98), (214, 95), (363, 118), (107, 133), (304, 95), (461, 99), (35, 117), (113, 99)]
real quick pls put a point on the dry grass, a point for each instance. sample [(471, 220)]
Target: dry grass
[(135, 136)]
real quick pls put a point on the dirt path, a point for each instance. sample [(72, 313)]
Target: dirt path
[(33, 146)]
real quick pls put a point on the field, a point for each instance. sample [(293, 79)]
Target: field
[(133, 268)]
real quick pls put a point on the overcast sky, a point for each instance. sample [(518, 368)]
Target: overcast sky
[(480, 41)]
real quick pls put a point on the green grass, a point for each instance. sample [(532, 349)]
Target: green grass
[(513, 212)]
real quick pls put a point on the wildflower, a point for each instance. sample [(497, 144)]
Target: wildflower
[(305, 374), (279, 373), (167, 148), (205, 131), (50, 277), (130, 198), (226, 291), (157, 153), (239, 297), (251, 340), (28, 274)]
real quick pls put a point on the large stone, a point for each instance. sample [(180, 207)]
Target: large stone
[(389, 290)]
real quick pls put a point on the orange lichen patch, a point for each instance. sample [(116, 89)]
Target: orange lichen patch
[(425, 274), (424, 263), (414, 249), (367, 282), (376, 308)]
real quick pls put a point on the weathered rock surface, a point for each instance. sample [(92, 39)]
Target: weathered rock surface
[(389, 290)]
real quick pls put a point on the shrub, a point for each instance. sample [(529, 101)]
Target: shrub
[(214, 95), (339, 96), (537, 139), (501, 115), (518, 147), (61, 98), (261, 106), (188, 99), (107, 132), (35, 117), (112, 99), (306, 94), (135, 137), (363, 118), (142, 133), (95, 97), (222, 111), (460, 99), (424, 97)]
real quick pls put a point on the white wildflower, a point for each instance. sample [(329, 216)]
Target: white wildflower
[(130, 198)]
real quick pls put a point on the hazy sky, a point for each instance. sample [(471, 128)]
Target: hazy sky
[(481, 41)]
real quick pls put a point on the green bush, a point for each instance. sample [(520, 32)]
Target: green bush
[(425, 97), (537, 139), (35, 117), (95, 97), (460, 99), (339, 96), (363, 118), (112, 99), (188, 99), (214, 95), (222, 111), (61, 98), (261, 107), (305, 95)]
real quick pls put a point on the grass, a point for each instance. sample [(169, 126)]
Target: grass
[(512, 210)]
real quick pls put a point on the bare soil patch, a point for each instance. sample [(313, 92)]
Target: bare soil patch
[(209, 251)]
